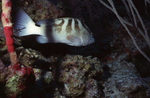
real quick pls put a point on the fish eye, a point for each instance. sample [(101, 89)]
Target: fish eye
[(38, 25)]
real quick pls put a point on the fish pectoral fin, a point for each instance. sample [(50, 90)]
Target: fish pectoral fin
[(42, 39), (73, 38)]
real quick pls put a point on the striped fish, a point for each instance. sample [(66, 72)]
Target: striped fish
[(70, 31)]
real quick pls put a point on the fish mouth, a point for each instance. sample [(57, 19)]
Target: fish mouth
[(92, 40)]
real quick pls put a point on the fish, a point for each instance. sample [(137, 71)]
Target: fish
[(67, 30)]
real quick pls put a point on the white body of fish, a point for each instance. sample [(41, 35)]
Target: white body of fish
[(70, 31)]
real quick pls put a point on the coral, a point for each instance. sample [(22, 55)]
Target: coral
[(20, 75), (2, 44), (123, 43), (29, 56), (46, 76), (41, 87), (74, 82), (7, 25), (75, 71), (125, 81), (3, 72), (38, 10), (92, 90), (74, 76), (18, 81), (14, 82), (13, 86), (6, 21)]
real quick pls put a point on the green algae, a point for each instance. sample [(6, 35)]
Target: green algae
[(3, 46), (12, 85)]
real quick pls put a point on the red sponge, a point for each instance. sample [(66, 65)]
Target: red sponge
[(9, 40)]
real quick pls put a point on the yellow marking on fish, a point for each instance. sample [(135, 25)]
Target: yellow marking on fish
[(58, 25), (68, 27), (77, 29)]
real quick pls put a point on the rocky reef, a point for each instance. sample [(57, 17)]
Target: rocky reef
[(70, 76), (122, 72)]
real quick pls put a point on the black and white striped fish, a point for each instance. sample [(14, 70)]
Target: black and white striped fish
[(70, 31)]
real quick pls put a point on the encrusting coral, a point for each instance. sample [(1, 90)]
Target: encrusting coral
[(76, 71)]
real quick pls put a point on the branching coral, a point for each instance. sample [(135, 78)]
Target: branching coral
[(135, 17)]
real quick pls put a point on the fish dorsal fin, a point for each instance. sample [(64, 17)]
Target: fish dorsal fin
[(44, 21)]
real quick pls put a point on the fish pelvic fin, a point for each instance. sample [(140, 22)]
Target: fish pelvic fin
[(42, 39)]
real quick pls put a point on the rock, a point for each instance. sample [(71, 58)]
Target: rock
[(41, 87), (75, 70), (142, 65), (125, 81), (43, 76), (29, 56), (3, 72), (92, 90)]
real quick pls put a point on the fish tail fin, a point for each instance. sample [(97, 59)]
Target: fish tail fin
[(24, 25)]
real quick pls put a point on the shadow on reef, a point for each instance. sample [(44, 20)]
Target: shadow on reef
[(2, 90), (54, 1), (77, 78), (142, 64), (96, 49), (40, 89)]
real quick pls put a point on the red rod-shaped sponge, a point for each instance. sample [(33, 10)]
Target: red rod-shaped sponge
[(9, 40)]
